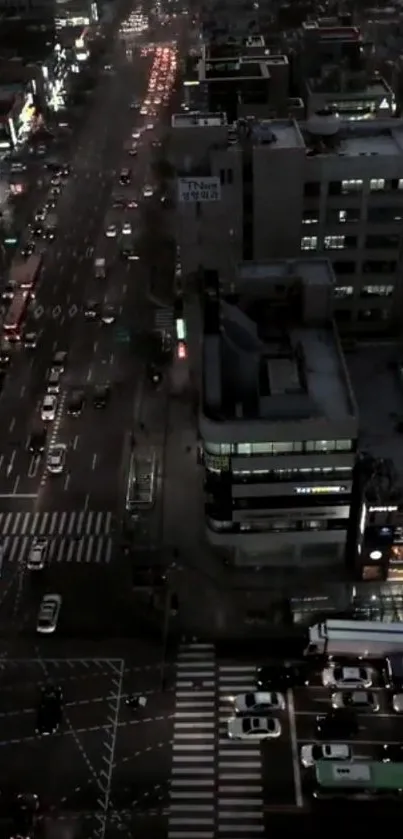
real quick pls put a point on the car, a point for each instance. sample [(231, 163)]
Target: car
[(50, 710), (258, 702), (149, 126), (48, 615), (37, 554), (37, 230), (390, 753), (136, 134), (37, 440), (130, 254), (118, 203), (28, 249), (76, 403), (91, 310), (56, 458), (335, 676), (30, 340), (49, 408), (360, 700), (397, 702), (54, 379), (65, 170), (111, 231), (337, 723), (101, 396), (126, 228), (282, 676), (132, 204), (311, 752), (154, 374), (253, 728), (24, 815), (125, 177), (8, 291), (133, 151), (55, 181), (148, 191), (56, 190), (5, 357), (59, 359), (108, 315), (51, 203)]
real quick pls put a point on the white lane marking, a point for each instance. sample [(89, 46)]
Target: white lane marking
[(294, 749)]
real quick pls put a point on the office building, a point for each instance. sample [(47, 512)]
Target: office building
[(328, 187), (278, 420)]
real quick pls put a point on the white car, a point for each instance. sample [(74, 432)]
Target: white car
[(335, 676), (48, 615), (148, 191), (149, 126), (49, 407), (258, 702), (397, 703), (111, 231), (127, 229), (253, 728), (37, 554), (136, 135), (312, 752), (56, 458)]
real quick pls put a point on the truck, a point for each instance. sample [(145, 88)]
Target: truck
[(361, 639), (100, 268)]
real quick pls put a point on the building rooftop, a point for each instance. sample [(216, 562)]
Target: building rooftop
[(267, 359), (354, 139), (349, 85)]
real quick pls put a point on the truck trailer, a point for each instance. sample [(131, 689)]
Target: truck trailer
[(361, 639)]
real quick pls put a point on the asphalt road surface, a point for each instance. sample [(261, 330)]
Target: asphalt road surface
[(77, 510)]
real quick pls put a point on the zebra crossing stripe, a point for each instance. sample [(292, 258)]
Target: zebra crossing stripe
[(87, 550), (88, 523)]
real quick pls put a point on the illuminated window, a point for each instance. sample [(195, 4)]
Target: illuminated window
[(309, 243), (343, 291), (352, 185), (376, 184), (377, 290), (334, 243)]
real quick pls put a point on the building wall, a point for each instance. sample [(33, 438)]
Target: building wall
[(330, 204)]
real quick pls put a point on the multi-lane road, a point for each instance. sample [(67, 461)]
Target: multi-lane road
[(77, 511)]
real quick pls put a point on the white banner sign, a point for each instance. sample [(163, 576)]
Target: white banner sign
[(193, 190)]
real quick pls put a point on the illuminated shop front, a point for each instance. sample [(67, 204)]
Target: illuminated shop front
[(380, 542), (54, 74)]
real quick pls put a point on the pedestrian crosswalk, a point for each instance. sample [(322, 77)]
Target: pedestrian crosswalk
[(83, 536), (192, 794), (239, 777), (75, 524), (164, 320), (216, 784), (84, 549)]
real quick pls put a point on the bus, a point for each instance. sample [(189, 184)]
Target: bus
[(361, 639), (359, 780), (24, 273), (140, 493), (15, 317)]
